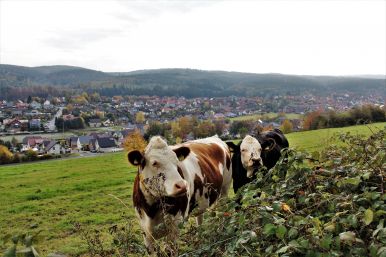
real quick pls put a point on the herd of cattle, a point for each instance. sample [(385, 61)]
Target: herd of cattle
[(173, 180)]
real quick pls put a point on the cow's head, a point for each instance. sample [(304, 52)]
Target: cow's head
[(251, 153), (158, 168)]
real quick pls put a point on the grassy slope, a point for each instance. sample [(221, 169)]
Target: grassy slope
[(316, 140), (56, 194), (270, 115)]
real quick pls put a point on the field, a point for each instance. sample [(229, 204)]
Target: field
[(316, 140), (51, 196), (269, 115)]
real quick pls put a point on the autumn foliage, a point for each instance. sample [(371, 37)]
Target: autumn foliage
[(134, 141), (5, 155)]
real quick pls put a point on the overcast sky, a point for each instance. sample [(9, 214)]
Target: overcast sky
[(292, 37)]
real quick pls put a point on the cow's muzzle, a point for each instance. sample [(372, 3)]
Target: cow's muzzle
[(180, 189)]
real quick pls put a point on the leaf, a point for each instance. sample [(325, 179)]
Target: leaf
[(285, 207), (283, 249), (292, 233), (281, 231), (11, 252), (369, 216), (348, 236), (269, 229), (326, 242)]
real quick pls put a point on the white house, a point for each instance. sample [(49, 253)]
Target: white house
[(53, 147)]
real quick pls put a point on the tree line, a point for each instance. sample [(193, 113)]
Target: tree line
[(355, 116)]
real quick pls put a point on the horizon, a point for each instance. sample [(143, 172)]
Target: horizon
[(196, 69), (286, 37)]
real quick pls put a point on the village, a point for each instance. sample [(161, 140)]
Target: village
[(98, 124)]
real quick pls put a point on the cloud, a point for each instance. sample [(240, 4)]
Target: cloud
[(140, 11), (69, 40)]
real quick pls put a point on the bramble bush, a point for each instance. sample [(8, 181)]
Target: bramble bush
[(328, 204)]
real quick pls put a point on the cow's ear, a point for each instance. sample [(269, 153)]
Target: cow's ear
[(182, 152), (232, 146), (135, 157), (268, 144)]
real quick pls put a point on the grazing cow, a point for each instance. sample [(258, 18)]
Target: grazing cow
[(173, 180), (252, 153)]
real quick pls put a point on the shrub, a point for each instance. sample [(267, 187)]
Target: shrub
[(5, 155), (134, 141), (332, 206)]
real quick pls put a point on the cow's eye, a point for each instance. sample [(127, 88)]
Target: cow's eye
[(155, 164), (243, 150)]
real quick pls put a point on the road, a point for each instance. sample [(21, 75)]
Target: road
[(51, 124)]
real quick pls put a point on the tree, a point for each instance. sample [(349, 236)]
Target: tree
[(140, 118), (286, 126), (134, 141), (5, 155), (14, 141)]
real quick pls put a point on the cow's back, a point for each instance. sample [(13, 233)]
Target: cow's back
[(209, 168)]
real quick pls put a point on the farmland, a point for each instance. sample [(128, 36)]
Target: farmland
[(269, 115), (51, 196)]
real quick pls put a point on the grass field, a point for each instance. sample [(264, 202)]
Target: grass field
[(269, 115), (54, 195), (316, 140), (51, 196)]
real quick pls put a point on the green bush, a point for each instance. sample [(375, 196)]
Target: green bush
[(332, 204)]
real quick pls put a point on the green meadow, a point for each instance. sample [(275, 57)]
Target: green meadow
[(316, 140), (269, 115), (52, 196)]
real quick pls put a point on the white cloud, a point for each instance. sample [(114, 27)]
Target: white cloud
[(298, 37)]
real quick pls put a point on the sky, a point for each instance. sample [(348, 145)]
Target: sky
[(326, 37)]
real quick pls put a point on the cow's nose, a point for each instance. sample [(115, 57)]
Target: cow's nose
[(180, 188), (256, 161)]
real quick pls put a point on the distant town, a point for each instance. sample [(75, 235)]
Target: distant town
[(93, 123)]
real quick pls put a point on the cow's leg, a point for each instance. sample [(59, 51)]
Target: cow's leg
[(149, 244), (199, 219)]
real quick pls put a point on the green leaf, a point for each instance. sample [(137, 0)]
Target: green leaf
[(283, 249), (281, 231), (326, 242), (11, 252), (369, 216), (269, 229), (292, 233)]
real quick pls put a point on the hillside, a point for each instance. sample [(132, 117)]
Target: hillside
[(184, 82), (51, 196)]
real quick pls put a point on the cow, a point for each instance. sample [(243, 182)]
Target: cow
[(173, 180), (254, 152)]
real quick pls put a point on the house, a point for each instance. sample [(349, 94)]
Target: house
[(95, 123), (108, 123), (47, 104), (83, 143), (34, 124), (32, 143), (107, 145), (53, 147), (15, 125), (35, 105), (73, 143)]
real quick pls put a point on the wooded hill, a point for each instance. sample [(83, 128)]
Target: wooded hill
[(181, 82)]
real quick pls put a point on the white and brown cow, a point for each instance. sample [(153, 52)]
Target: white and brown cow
[(174, 180)]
